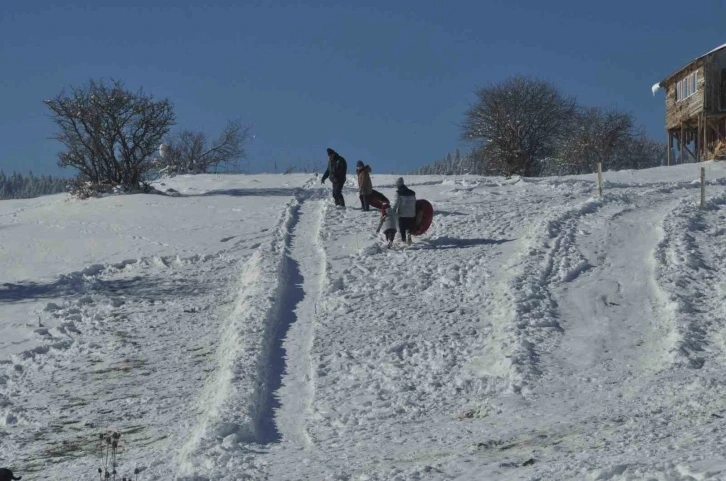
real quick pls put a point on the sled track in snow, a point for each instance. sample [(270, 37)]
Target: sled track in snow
[(272, 364), (238, 402), (528, 325), (286, 368), (612, 315), (690, 278), (292, 376)]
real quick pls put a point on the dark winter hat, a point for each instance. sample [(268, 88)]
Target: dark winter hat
[(399, 182), (330, 151), (359, 163)]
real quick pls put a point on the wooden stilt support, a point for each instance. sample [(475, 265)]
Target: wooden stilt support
[(697, 140), (705, 137)]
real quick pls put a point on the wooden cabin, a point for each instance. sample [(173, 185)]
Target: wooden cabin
[(696, 106)]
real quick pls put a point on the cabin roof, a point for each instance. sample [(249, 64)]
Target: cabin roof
[(662, 82)]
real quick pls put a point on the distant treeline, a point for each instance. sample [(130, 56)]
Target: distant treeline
[(19, 186), (455, 164)]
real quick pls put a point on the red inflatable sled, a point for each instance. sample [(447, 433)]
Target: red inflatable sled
[(424, 216), (376, 200)]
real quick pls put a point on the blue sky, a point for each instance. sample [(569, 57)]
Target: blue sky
[(387, 82)]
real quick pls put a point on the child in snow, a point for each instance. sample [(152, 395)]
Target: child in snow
[(388, 222), (405, 208)]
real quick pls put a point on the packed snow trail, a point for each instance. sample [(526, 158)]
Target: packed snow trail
[(295, 395), (615, 312), (238, 402), (616, 330), (617, 315)]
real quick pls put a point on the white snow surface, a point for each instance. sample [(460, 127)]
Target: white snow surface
[(247, 329)]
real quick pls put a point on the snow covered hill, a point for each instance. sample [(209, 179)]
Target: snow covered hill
[(249, 329)]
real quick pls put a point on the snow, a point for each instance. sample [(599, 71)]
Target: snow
[(655, 88), (714, 50), (249, 329)]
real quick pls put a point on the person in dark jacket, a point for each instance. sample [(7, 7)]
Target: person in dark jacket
[(365, 186), (337, 170), (405, 208), (7, 475)]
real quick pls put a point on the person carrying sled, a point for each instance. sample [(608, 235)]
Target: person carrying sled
[(337, 170), (365, 186), (388, 222), (405, 208)]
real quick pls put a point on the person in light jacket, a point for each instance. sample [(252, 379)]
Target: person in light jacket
[(388, 223), (405, 208), (365, 186)]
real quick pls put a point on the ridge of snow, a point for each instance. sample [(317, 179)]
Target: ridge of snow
[(714, 50)]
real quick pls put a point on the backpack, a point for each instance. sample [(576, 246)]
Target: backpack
[(341, 167)]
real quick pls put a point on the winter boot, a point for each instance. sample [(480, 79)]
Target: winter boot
[(409, 240)]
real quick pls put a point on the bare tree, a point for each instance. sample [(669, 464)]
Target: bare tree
[(518, 123), (640, 152), (596, 136), (109, 132), (191, 152), (608, 136)]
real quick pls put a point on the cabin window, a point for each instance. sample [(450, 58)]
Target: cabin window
[(694, 82), (687, 87)]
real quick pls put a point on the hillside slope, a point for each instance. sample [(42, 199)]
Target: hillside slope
[(249, 329)]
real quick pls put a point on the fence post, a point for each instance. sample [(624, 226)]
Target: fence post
[(703, 187), (599, 178)]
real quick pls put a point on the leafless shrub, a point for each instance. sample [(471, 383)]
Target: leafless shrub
[(109, 132), (519, 123), (191, 152)]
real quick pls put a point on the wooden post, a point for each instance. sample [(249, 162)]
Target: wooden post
[(670, 147), (705, 137), (681, 144), (599, 178), (703, 187)]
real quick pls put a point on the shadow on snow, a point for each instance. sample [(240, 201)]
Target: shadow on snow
[(454, 243), (138, 288), (253, 192)]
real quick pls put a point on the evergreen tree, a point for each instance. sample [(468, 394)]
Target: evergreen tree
[(17, 186)]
